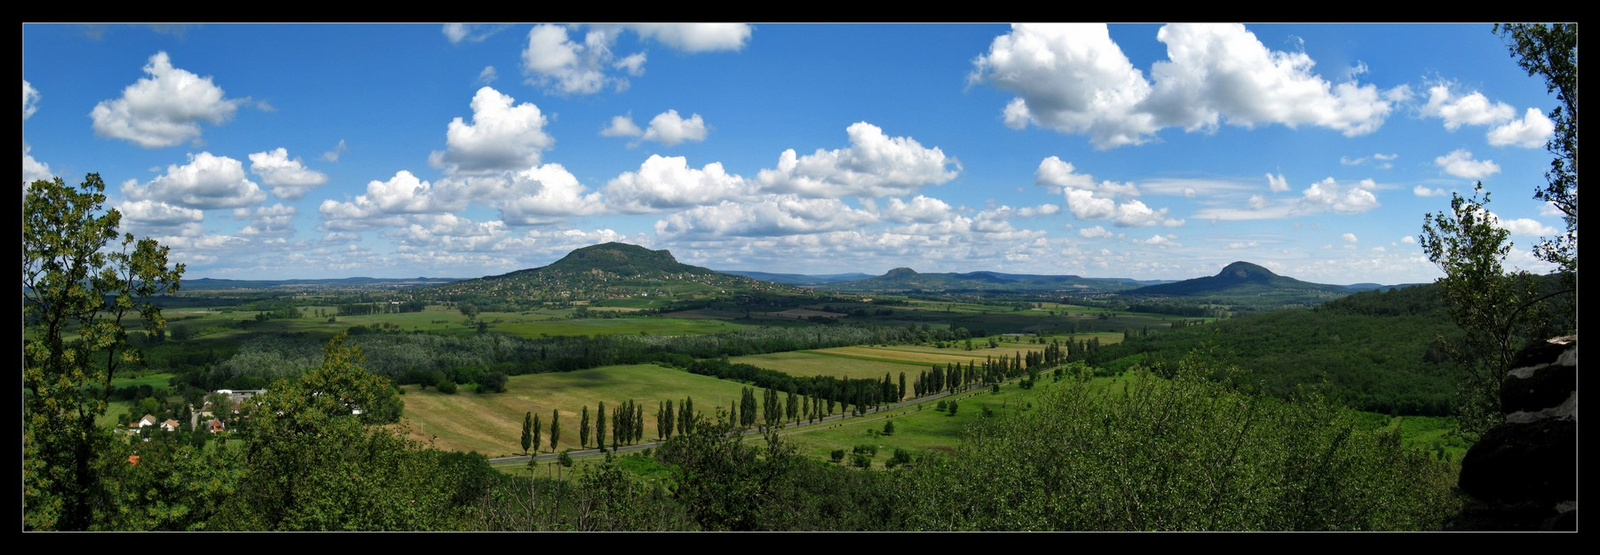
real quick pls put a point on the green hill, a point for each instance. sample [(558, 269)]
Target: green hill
[(1246, 283), (608, 273), (906, 280)]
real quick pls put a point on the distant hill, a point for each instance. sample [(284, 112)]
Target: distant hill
[(1243, 280), (799, 279), (608, 272), (211, 284), (907, 280)]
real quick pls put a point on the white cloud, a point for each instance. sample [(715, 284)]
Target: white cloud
[(1276, 183), (457, 33), (1074, 79), (338, 150), (206, 182), (1057, 173), (1159, 240), (1242, 245), (1529, 132), (921, 209), (164, 109), (534, 196), (272, 220), (1094, 232), (1423, 191), (1469, 109), (33, 170), (770, 216), (500, 137), (1256, 202), (1460, 163), (1349, 237), (1071, 78), (1222, 71), (875, 165), (384, 201), (30, 99), (1040, 210), (696, 37), (633, 64), (1344, 199), (669, 128), (150, 213), (554, 61), (1409, 240), (1522, 226), (669, 182), (1086, 206), (488, 75), (289, 179), (622, 126)]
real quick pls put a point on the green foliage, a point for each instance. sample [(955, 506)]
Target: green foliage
[(1499, 311), (312, 464), (837, 455), (527, 431), (1180, 454), (492, 382), (445, 385), (888, 427), (79, 285)]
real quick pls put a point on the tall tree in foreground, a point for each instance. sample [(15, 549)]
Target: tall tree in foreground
[(600, 426), (1499, 311), (76, 294), (583, 429), (555, 428), (1551, 52), (536, 430), (527, 431)]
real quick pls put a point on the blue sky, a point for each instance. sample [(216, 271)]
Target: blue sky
[(1145, 151)]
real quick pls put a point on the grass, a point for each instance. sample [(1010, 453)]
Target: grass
[(492, 424)]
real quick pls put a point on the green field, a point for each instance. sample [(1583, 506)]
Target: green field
[(492, 424)]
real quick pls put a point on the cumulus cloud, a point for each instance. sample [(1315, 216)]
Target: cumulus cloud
[(668, 182), (1522, 226), (33, 170), (1073, 78), (1422, 191), (769, 216), (1349, 237), (922, 209), (1159, 240), (696, 37), (1460, 163), (622, 126), (669, 128), (30, 99), (1040, 210), (875, 165), (1089, 200), (1094, 232), (163, 109), (1242, 245), (1276, 183), (289, 179), (553, 61), (488, 75), (545, 194), (156, 214), (384, 201), (272, 220), (1529, 132), (502, 136), (1469, 109), (1344, 199), (206, 182), (1409, 240)]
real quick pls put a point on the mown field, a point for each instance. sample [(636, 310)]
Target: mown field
[(492, 424)]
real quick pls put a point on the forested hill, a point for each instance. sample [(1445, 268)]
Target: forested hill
[(607, 271), (907, 280), (1237, 278), (1374, 350)]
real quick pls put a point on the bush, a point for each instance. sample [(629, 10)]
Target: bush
[(446, 385), (492, 382), (838, 455), (901, 456), (888, 428)]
